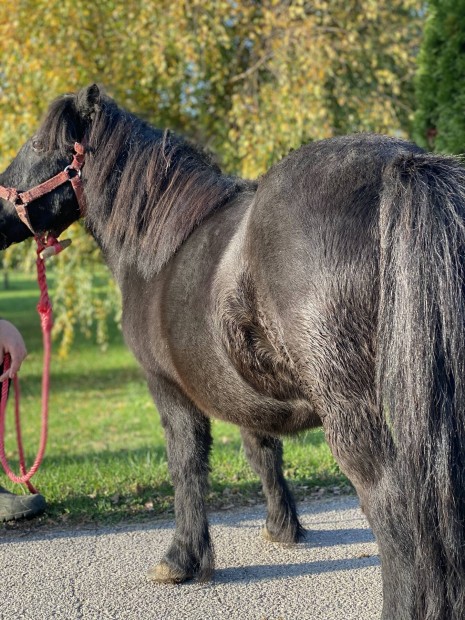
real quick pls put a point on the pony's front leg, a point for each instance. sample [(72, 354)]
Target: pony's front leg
[(188, 439), (265, 455)]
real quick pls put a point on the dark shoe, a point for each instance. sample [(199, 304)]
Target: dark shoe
[(20, 506)]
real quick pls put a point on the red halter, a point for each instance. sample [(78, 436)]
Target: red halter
[(22, 199)]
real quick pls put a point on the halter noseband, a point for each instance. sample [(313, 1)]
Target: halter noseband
[(22, 199)]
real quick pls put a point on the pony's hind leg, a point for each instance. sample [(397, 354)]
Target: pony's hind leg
[(188, 439), (265, 455)]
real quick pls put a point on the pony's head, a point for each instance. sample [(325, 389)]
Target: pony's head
[(146, 189), (44, 156)]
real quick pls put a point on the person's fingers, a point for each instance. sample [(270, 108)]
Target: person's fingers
[(6, 375), (15, 366), (17, 355)]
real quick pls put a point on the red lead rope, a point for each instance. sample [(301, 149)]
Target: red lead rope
[(44, 309)]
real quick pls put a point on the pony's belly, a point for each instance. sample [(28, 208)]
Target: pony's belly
[(228, 397)]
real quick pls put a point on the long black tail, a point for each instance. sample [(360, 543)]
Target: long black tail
[(421, 370)]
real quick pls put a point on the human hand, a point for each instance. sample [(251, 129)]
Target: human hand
[(11, 342)]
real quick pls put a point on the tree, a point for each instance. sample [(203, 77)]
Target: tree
[(440, 119), (250, 80)]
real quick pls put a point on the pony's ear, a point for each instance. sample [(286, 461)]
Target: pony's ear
[(87, 100)]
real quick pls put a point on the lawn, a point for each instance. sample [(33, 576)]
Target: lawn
[(105, 458)]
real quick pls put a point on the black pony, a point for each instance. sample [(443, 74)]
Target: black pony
[(329, 292)]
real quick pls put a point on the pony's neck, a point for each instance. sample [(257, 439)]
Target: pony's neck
[(147, 190)]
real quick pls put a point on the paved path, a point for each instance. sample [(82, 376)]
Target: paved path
[(99, 574)]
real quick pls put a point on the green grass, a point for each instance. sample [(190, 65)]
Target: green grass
[(105, 458)]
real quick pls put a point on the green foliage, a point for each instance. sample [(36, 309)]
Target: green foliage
[(250, 80), (440, 119)]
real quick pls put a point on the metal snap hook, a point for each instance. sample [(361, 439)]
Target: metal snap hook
[(78, 172)]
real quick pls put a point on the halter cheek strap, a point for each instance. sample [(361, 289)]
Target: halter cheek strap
[(71, 173)]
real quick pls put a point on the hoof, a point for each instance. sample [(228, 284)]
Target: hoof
[(164, 573), (267, 535), (283, 538)]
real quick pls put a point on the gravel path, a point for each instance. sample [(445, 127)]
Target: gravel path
[(99, 573)]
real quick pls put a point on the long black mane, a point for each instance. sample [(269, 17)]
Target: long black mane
[(152, 187)]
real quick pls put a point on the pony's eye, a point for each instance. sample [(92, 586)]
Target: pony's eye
[(36, 145)]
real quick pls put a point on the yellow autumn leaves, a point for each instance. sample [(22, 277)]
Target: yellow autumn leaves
[(248, 79)]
